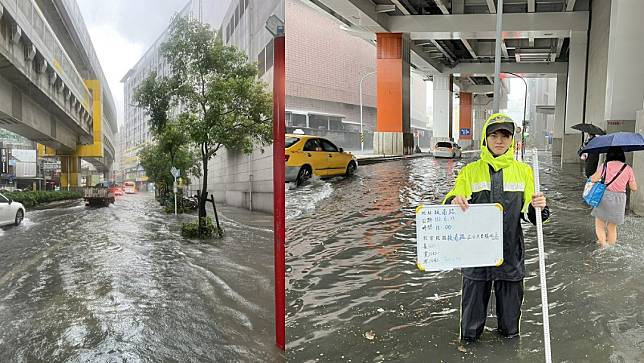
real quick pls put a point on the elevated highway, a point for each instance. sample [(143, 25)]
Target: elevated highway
[(52, 88)]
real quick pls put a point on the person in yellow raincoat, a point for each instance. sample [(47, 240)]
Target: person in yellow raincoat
[(497, 178)]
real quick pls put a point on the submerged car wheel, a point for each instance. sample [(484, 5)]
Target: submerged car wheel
[(19, 216), (303, 175), (351, 168)]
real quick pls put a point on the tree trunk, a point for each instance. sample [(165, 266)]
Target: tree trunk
[(203, 197)]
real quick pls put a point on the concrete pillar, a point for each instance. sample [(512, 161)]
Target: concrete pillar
[(560, 114), (393, 127), (575, 96), (465, 119), (481, 112), (70, 176), (637, 198), (442, 103), (625, 74)]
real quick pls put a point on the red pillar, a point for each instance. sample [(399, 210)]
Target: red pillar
[(279, 130), (465, 116), (393, 128)]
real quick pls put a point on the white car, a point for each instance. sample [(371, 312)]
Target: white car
[(446, 149), (10, 212)]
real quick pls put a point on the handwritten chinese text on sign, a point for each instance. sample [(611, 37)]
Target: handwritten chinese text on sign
[(448, 238)]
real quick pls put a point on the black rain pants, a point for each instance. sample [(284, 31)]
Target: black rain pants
[(475, 296)]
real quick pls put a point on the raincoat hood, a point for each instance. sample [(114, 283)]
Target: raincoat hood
[(503, 160)]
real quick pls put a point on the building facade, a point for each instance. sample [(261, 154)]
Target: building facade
[(238, 179), (135, 132), (325, 64)]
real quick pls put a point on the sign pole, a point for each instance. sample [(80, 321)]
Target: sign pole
[(542, 264), (276, 27), (175, 173)]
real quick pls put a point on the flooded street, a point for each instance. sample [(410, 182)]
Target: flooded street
[(354, 293), (116, 284)]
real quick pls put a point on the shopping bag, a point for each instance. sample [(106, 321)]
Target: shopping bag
[(593, 192)]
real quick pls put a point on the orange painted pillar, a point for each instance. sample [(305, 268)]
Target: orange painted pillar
[(465, 119), (393, 128)]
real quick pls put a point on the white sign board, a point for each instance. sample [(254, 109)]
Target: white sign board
[(448, 238), (175, 172)]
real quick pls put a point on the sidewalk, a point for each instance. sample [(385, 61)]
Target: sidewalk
[(367, 157), (241, 216)]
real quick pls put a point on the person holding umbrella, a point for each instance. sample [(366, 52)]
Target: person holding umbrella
[(610, 211), (590, 159)]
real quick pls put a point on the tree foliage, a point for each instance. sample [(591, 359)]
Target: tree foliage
[(214, 92)]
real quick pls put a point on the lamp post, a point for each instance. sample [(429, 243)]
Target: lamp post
[(276, 27), (525, 101), (361, 133)]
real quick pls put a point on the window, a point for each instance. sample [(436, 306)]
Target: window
[(312, 145), (298, 120), (328, 146), (269, 54), (335, 123), (261, 63), (318, 122), (444, 144), (3, 199), (290, 141)]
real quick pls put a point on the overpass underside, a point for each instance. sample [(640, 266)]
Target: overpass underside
[(592, 48)]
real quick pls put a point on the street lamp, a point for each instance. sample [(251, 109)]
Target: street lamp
[(361, 133), (525, 101)]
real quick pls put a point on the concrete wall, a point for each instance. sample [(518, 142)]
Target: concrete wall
[(235, 178), (625, 74)]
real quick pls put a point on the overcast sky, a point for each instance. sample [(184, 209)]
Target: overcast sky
[(122, 30)]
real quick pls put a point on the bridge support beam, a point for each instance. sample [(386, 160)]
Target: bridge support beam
[(393, 134)]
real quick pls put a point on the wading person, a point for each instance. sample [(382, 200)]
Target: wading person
[(590, 159), (497, 178), (610, 211)]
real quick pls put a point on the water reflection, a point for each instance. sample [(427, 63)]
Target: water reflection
[(354, 293), (120, 284)]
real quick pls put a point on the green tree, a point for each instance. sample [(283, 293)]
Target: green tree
[(220, 101), (170, 148)]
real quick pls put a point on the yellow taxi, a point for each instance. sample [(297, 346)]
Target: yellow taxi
[(308, 155)]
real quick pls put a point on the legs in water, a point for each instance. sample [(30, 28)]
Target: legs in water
[(612, 233), (600, 231), (474, 299)]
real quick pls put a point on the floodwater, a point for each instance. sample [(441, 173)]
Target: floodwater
[(118, 284), (354, 293)]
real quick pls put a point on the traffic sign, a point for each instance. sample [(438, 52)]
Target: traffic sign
[(175, 172), (465, 131)]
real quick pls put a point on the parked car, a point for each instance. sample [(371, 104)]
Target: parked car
[(308, 155), (11, 212), (446, 149)]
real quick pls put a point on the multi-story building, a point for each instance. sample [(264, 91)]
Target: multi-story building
[(136, 133), (235, 178)]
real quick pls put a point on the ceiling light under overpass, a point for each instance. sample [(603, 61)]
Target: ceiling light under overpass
[(534, 55)]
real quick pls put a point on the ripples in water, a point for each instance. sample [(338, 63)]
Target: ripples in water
[(121, 284), (354, 292)]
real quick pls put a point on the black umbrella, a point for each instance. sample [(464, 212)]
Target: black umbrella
[(589, 129)]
